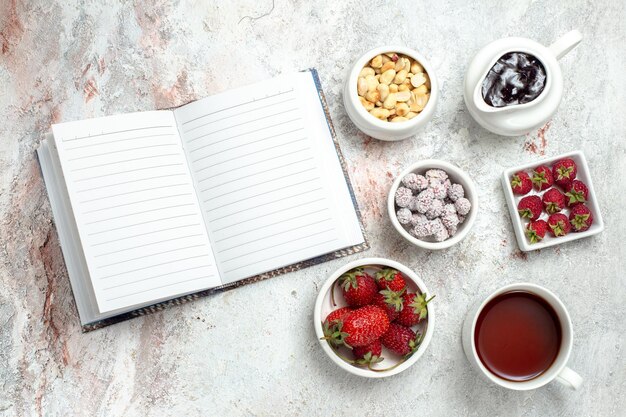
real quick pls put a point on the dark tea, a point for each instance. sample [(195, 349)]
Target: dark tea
[(517, 336)]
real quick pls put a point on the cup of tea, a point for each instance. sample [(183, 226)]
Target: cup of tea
[(520, 337)]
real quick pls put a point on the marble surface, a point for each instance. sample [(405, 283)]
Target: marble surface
[(253, 352)]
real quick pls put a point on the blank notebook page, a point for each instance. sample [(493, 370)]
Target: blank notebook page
[(135, 207), (268, 176)]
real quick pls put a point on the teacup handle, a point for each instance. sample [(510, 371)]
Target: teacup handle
[(565, 43), (569, 378)]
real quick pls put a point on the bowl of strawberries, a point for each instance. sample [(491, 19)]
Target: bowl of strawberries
[(552, 201), (374, 317)]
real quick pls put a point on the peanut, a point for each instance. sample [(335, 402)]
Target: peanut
[(367, 104), (383, 89), (387, 76), (402, 109), (377, 62), (400, 77), (361, 86), (379, 113), (390, 101), (372, 82), (399, 119)]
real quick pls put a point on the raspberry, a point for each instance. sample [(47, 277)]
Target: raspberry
[(415, 182), (462, 206), (418, 218), (437, 174), (450, 220), (449, 209), (404, 216), (403, 196), (435, 210), (439, 190), (455, 192), (424, 200), (439, 230), (424, 229)]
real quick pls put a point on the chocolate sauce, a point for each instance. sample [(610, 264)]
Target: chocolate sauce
[(515, 78)]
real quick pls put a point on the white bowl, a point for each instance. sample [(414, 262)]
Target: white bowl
[(457, 176), (379, 129), (519, 226), (324, 305)]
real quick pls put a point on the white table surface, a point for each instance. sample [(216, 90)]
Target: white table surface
[(253, 352)]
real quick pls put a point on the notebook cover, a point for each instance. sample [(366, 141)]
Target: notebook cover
[(290, 268)]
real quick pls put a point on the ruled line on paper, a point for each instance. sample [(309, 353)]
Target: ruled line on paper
[(299, 216), (261, 183), (136, 202), (240, 113), (245, 133), (140, 223), (149, 255), (146, 244), (162, 286), (121, 150), (256, 173), (282, 254), (126, 160), (125, 172), (265, 204), (242, 123), (252, 163), (129, 182), (249, 153), (258, 195), (155, 276), (155, 265), (238, 105), (134, 191), (119, 140), (280, 233), (255, 141), (140, 212), (278, 244), (268, 214), (145, 234), (113, 133)]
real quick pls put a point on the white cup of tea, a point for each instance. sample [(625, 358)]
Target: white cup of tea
[(520, 337)]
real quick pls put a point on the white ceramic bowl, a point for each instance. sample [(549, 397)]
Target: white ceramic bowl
[(457, 176), (519, 225), (379, 129), (324, 305)]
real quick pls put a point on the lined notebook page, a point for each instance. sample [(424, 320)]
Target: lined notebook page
[(138, 217), (268, 177)]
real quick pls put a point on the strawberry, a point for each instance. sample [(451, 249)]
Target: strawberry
[(536, 230), (553, 201), (390, 301), (580, 217), (542, 178), (521, 183), (415, 309), (401, 339), (390, 279), (367, 355), (333, 323), (364, 325), (358, 287), (577, 193), (337, 315), (530, 207), (558, 225), (564, 172)]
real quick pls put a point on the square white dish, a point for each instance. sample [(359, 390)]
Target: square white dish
[(519, 225)]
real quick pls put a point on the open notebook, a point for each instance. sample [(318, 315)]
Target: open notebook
[(159, 207)]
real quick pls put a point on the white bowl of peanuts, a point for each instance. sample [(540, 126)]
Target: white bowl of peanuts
[(391, 93)]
